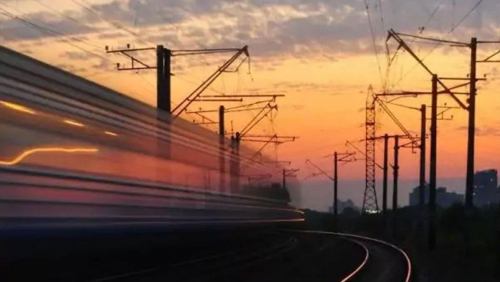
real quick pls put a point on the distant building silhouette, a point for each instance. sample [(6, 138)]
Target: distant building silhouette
[(344, 204), (443, 198), (486, 190)]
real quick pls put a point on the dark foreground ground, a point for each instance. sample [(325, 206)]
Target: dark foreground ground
[(242, 254), (450, 260), (261, 253)]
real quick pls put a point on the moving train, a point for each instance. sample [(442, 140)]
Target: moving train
[(74, 154)]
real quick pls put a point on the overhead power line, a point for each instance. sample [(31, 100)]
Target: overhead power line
[(116, 25), (45, 30), (374, 41), (452, 29), (381, 11), (71, 19), (465, 16), (431, 16), (47, 26)]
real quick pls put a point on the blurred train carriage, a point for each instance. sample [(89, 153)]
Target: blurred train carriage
[(76, 154)]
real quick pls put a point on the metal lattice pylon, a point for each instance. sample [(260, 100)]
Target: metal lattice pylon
[(370, 204)]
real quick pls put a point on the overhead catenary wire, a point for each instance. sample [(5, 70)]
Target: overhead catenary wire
[(116, 25), (452, 29), (60, 36), (383, 105), (404, 106), (381, 12), (153, 87), (432, 15), (176, 26), (49, 30), (69, 18), (374, 41), (63, 36), (465, 16)]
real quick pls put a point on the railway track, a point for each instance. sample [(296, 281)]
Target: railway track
[(290, 256), (210, 267), (384, 262), (270, 255)]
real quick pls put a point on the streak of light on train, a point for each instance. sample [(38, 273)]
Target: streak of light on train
[(71, 122), (26, 153), (17, 107), (110, 133), (76, 154)]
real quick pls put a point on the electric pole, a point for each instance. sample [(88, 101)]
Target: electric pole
[(423, 132), (335, 190), (395, 167), (222, 150), (234, 163), (288, 173), (163, 73), (395, 186), (471, 107), (433, 166), (385, 181), (337, 157), (222, 130), (163, 85), (344, 158), (469, 186), (284, 179), (385, 174), (421, 187)]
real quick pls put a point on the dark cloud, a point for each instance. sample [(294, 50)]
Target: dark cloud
[(291, 87), (340, 25), (75, 55), (71, 68), (103, 65), (301, 28), (486, 131), (112, 35), (41, 25)]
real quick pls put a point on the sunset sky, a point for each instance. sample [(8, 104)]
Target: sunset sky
[(320, 54)]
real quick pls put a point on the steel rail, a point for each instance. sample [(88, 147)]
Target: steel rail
[(255, 255), (352, 236), (363, 263)]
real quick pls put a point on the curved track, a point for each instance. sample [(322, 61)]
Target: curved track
[(278, 256), (386, 262), (383, 262), (231, 255)]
